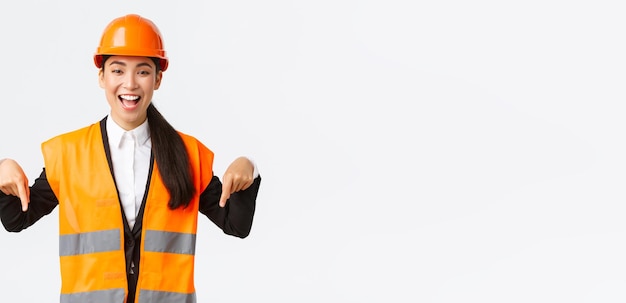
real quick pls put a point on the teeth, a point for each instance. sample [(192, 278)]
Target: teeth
[(129, 97)]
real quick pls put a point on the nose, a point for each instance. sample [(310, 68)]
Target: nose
[(130, 82)]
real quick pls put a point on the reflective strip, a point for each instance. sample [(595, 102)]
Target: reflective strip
[(153, 296), (91, 242), (110, 295), (170, 242)]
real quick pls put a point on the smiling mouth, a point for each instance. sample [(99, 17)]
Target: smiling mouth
[(129, 101)]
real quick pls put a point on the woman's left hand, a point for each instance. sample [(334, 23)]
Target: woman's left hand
[(238, 176)]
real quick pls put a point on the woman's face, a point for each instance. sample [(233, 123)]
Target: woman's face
[(128, 84)]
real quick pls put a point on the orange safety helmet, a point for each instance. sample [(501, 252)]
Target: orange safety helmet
[(131, 35)]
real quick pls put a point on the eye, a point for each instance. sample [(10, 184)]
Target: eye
[(116, 71), (144, 72)]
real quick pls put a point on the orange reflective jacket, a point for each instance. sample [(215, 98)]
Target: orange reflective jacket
[(91, 230)]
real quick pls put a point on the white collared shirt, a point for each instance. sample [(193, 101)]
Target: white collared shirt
[(130, 154)]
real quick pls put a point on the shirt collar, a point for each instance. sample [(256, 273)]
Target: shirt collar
[(116, 133)]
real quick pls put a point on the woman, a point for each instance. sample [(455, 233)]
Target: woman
[(129, 187)]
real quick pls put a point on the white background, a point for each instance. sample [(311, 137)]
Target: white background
[(411, 151)]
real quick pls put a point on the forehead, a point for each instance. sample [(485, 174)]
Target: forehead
[(129, 61)]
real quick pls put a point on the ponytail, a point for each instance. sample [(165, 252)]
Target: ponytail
[(172, 159)]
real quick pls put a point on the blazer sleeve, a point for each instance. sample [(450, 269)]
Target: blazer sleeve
[(236, 217), (42, 202)]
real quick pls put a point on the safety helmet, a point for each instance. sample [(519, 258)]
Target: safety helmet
[(131, 35)]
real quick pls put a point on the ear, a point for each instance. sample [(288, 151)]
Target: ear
[(157, 81), (101, 77)]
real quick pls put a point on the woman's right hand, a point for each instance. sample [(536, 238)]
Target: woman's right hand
[(14, 182)]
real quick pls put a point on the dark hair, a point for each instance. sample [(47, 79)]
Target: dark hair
[(170, 155)]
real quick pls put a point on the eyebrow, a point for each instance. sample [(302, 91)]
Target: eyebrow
[(124, 64)]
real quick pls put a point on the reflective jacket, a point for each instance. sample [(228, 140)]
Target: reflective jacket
[(91, 228)]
